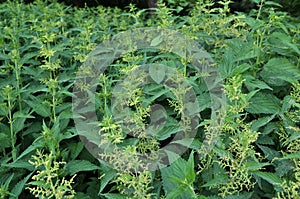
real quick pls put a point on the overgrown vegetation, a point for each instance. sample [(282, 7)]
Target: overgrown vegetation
[(255, 155)]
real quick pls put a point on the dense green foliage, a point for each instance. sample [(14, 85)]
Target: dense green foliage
[(256, 154)]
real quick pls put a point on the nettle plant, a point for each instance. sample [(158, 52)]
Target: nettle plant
[(255, 153)]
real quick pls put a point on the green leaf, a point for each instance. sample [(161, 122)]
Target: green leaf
[(80, 195), (107, 176), (156, 41), (203, 101), (75, 149), (22, 164), (38, 183), (177, 170), (6, 179), (265, 140), (218, 180), (264, 103), (287, 103), (157, 72), (190, 143), (175, 193), (39, 106), (241, 68), (290, 156), (29, 149), (270, 154), (284, 40), (173, 157), (128, 142), (158, 116), (190, 171), (19, 187), (20, 117), (241, 50), (283, 167), (243, 195), (253, 83), (278, 70), (76, 166), (272, 178), (155, 91), (166, 132), (4, 137), (114, 196), (262, 121), (273, 4), (252, 166), (4, 56), (222, 152)]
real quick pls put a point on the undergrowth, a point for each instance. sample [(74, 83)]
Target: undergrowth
[(254, 155)]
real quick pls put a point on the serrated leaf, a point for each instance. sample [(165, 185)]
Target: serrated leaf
[(20, 164), (114, 196), (29, 149), (264, 103), (128, 142), (252, 83), (27, 57), (175, 170), (4, 56), (295, 135), (80, 195), (218, 180), (204, 101), (283, 167), (190, 171), (175, 193), (256, 124), (280, 69), (20, 117), (252, 166), (285, 40), (75, 149), (272, 178), (241, 50), (189, 142), (166, 132), (37, 183), (287, 103), (155, 91), (4, 139), (222, 152), (244, 195), (272, 3), (158, 115), (42, 108), (19, 187), (270, 154), (106, 177), (6, 179), (290, 156), (156, 41), (172, 157), (265, 140), (76, 166), (157, 72)]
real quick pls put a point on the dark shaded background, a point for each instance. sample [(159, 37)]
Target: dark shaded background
[(290, 6)]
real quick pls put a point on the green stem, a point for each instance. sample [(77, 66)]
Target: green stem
[(54, 104), (10, 121), (18, 86), (259, 10)]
